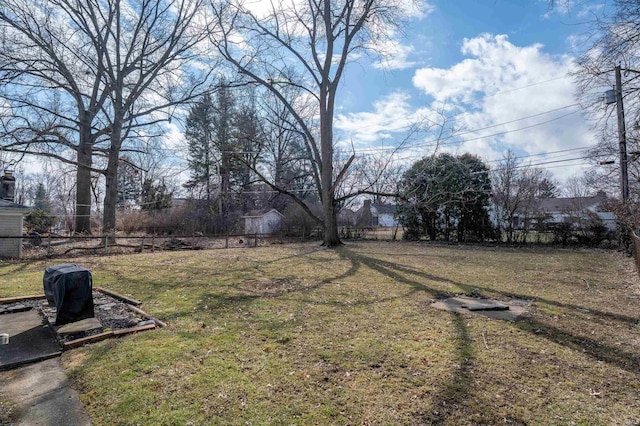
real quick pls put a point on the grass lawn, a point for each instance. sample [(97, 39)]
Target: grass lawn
[(295, 334)]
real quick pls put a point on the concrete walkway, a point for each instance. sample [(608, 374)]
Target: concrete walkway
[(42, 396)]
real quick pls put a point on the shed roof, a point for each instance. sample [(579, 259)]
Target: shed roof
[(10, 205), (385, 208), (260, 213)]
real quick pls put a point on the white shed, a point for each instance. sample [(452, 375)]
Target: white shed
[(263, 222), (11, 222)]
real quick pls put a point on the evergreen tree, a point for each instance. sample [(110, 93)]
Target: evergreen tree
[(41, 198), (249, 136), (155, 196), (224, 141), (201, 155), (548, 188), (445, 196)]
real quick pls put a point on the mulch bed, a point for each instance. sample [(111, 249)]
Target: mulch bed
[(115, 316)]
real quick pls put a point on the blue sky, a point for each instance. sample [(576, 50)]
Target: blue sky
[(497, 65), (493, 73)]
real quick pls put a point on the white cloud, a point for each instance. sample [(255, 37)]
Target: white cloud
[(390, 115), (416, 9), (498, 86), (393, 52), (394, 55)]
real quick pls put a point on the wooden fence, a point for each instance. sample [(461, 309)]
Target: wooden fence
[(55, 246)]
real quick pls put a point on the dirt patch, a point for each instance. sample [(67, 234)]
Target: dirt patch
[(74, 359)]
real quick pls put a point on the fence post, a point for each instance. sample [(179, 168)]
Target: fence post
[(142, 245), (49, 245), (255, 240), (153, 243), (226, 240), (106, 245)]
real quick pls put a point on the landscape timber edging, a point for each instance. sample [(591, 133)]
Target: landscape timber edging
[(119, 297)]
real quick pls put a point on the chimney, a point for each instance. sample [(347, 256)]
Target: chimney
[(8, 186)]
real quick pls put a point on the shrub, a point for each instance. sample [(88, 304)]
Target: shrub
[(39, 221)]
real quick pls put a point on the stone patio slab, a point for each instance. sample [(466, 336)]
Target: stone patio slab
[(460, 304), (485, 305), (29, 340), (87, 324)]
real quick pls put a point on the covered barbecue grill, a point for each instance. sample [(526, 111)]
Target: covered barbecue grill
[(68, 287)]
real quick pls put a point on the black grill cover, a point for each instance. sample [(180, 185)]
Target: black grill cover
[(69, 288)]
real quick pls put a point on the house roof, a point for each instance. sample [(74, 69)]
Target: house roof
[(347, 212), (10, 205), (570, 203), (261, 212), (385, 208)]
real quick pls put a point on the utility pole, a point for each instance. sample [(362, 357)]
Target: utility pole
[(622, 138)]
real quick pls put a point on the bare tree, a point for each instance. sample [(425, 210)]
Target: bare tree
[(381, 176), (282, 153), (514, 193), (615, 40), (305, 45), (82, 77)]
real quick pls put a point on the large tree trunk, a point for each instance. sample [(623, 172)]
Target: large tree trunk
[(83, 179), (111, 177), (110, 194), (331, 238)]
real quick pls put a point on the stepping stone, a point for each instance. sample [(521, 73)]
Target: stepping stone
[(108, 306), (78, 326), (14, 309)]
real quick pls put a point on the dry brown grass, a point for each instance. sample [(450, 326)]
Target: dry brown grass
[(294, 334)]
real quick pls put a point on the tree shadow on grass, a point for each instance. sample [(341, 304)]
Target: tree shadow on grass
[(211, 272), (457, 389), (403, 274), (601, 352), (376, 264), (22, 267), (217, 301)]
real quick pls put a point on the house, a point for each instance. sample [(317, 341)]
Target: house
[(347, 217), (574, 209), (571, 210), (11, 218), (375, 214), (263, 222)]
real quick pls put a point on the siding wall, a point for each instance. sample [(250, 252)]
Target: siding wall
[(268, 223), (386, 219), (10, 225)]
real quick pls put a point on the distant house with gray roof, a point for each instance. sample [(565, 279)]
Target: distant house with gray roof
[(575, 209), (569, 210), (377, 214)]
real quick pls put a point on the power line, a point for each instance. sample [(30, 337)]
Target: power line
[(391, 148), (527, 86), (439, 140)]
